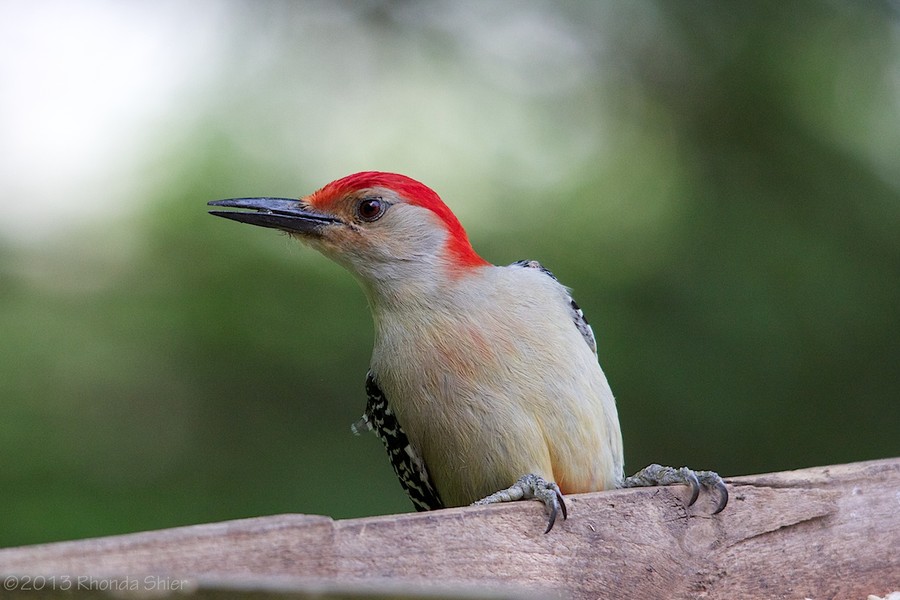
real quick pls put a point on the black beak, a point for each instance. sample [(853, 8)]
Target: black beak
[(278, 213)]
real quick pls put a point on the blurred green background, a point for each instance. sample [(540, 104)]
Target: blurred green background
[(718, 183)]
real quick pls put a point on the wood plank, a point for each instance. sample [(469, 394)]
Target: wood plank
[(822, 532)]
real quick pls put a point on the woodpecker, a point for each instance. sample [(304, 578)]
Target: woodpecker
[(484, 383)]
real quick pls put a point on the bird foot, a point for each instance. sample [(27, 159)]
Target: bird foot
[(532, 487), (660, 475)]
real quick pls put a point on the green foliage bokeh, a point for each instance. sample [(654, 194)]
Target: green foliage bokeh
[(717, 183)]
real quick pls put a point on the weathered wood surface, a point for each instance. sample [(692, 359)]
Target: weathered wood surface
[(828, 532)]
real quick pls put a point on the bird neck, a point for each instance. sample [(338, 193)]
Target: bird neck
[(422, 286)]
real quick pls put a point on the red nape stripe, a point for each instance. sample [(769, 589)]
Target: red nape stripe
[(415, 193)]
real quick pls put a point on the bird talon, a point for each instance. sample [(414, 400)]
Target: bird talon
[(695, 486), (562, 504), (534, 487), (723, 496), (553, 512), (557, 504), (658, 475)]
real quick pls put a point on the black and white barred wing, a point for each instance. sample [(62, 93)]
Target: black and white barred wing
[(407, 462)]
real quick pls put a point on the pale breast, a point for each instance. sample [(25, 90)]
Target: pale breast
[(494, 382)]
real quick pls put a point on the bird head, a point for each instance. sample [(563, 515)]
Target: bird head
[(383, 227)]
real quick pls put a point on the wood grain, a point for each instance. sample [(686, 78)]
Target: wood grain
[(828, 532)]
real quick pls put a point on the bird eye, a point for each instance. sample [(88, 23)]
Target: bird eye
[(371, 209)]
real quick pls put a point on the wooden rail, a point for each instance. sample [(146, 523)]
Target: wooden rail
[(827, 532)]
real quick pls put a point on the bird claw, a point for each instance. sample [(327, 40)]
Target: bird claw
[(723, 494), (534, 487), (659, 475)]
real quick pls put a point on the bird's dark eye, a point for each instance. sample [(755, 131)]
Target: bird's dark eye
[(371, 209)]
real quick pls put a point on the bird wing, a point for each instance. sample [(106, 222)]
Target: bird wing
[(581, 322), (406, 460)]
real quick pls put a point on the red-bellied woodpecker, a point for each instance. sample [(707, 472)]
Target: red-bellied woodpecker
[(483, 377)]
